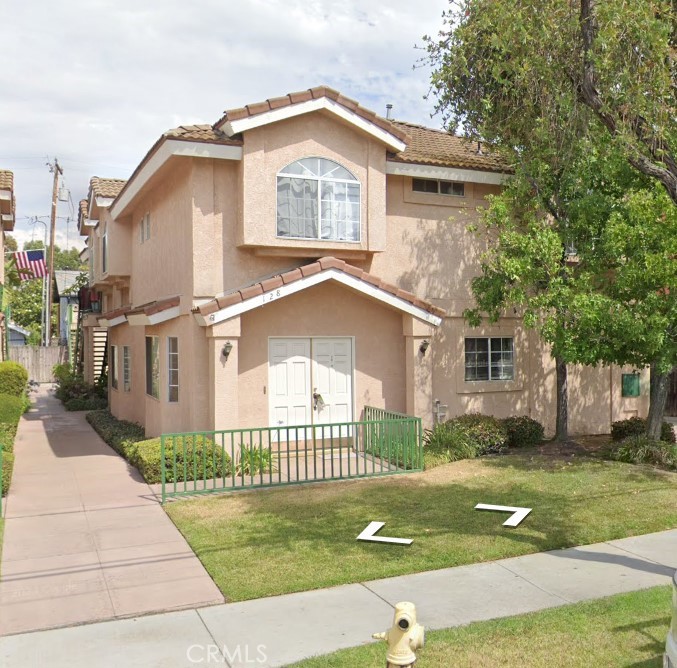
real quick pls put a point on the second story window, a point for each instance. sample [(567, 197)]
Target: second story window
[(318, 199), (144, 228), (104, 253), (438, 187)]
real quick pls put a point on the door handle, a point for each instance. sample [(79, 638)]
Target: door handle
[(318, 402)]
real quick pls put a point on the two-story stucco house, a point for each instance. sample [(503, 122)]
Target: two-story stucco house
[(6, 225), (305, 246)]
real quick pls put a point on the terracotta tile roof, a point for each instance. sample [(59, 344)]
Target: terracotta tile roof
[(204, 133), (439, 148), (305, 96), (83, 210), (323, 264), (105, 187), (6, 180), (155, 307), (115, 313)]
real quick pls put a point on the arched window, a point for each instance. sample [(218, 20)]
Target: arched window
[(318, 199)]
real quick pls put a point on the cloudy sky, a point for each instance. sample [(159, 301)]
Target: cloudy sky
[(96, 82)]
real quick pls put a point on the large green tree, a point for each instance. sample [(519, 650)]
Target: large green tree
[(541, 81)]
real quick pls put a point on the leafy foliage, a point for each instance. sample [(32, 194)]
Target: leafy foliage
[(7, 467), (119, 434), (13, 378), (253, 461), (186, 459), (523, 431), (12, 408), (643, 450), (75, 393), (636, 426)]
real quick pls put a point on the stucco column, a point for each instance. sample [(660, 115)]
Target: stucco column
[(419, 369), (224, 410)]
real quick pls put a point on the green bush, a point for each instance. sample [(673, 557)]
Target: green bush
[(485, 432), (12, 408), (61, 372), (636, 426), (85, 404), (254, 461), (643, 450), (7, 466), (523, 431), (7, 435), (395, 443), (446, 442), (119, 434), (192, 457), (13, 378)]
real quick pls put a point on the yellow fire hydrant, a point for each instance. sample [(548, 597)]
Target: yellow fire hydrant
[(403, 637)]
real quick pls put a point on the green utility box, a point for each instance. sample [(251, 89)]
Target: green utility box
[(630, 383)]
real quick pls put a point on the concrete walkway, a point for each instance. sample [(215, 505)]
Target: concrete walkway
[(281, 630), (85, 538)]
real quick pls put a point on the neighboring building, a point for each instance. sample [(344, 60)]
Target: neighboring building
[(65, 294), (7, 208), (301, 246), (17, 336)]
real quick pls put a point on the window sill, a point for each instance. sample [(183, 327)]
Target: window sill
[(488, 386)]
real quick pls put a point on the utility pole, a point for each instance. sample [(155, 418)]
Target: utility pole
[(56, 170)]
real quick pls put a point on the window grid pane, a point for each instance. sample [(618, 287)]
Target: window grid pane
[(113, 366), (323, 205), (489, 358), (153, 366), (126, 369), (173, 368)]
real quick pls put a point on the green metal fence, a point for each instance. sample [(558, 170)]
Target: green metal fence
[(0, 480), (236, 459)]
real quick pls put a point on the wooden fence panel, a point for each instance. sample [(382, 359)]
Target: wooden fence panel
[(38, 360)]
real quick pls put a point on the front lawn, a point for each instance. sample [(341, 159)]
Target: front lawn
[(291, 539), (624, 630)]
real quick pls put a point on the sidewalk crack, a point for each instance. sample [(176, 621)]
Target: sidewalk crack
[(533, 584), (371, 591), (211, 635)]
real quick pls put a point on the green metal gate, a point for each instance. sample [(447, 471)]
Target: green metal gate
[(384, 443)]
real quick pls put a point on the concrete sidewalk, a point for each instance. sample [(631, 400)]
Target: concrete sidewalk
[(281, 630), (85, 538)]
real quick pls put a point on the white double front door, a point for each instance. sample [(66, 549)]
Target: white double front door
[(310, 381)]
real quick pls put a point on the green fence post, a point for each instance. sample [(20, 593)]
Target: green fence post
[(162, 467)]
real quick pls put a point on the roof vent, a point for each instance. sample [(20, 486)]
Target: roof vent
[(389, 110), (479, 148)]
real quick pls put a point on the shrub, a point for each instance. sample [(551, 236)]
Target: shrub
[(446, 443), (484, 432), (12, 408), (254, 461), (395, 443), (636, 426), (523, 431), (7, 466), (13, 378), (61, 372), (7, 435), (119, 434), (190, 456), (643, 450), (91, 403)]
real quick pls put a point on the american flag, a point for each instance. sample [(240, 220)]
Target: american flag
[(31, 264)]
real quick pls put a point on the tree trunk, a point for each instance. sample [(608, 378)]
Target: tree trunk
[(562, 428), (658, 394)]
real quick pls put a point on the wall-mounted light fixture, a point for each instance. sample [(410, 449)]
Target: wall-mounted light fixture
[(425, 344), (227, 347)]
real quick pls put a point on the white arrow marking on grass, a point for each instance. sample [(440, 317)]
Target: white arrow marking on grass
[(518, 514), (373, 527)]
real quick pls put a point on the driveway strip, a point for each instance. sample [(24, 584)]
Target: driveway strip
[(85, 539)]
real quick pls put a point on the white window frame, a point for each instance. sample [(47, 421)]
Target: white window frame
[(154, 385), (126, 369), (172, 365), (104, 253), (113, 366), (490, 353), (439, 190), (320, 180), (144, 227)]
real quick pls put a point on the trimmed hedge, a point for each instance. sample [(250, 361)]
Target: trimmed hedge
[(93, 403), (12, 408), (200, 453), (643, 450), (13, 378), (474, 435), (7, 435), (636, 426), (7, 467), (119, 434), (523, 431)]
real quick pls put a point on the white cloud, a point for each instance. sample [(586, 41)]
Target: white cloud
[(96, 83)]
